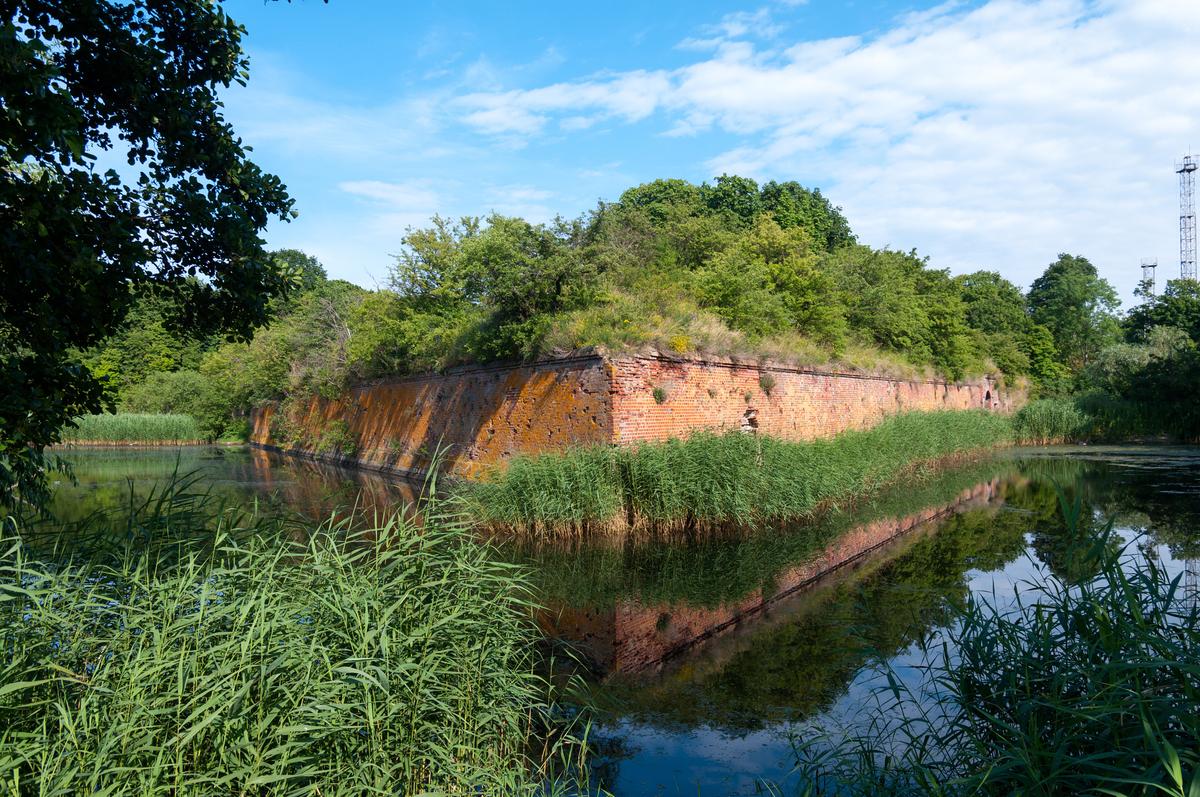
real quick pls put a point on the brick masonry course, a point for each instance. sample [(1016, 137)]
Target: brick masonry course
[(483, 415)]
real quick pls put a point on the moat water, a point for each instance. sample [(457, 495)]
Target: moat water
[(710, 656)]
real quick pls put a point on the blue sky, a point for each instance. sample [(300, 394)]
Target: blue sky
[(989, 134)]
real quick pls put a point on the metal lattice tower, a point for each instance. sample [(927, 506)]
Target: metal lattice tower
[(1148, 266), (1186, 169)]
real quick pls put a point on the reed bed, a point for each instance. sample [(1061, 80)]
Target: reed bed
[(1085, 686), (255, 657), (1050, 421), (717, 569), (133, 428), (714, 481)]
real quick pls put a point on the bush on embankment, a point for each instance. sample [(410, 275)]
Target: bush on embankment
[(133, 428), (1049, 421), (713, 480), (251, 657)]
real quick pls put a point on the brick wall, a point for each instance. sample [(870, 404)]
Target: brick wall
[(789, 403), (480, 416), (486, 414)]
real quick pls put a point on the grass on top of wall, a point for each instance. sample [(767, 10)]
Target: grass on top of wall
[(712, 481), (169, 650), (127, 427)]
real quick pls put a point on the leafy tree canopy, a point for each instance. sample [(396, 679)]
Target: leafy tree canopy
[(136, 81), (1177, 306), (1078, 306)]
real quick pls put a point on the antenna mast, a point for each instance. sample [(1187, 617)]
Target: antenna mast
[(1186, 169), (1148, 266)]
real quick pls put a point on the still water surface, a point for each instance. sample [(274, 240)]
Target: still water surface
[(709, 656)]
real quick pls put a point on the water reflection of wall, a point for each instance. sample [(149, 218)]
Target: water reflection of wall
[(634, 636), (317, 490)]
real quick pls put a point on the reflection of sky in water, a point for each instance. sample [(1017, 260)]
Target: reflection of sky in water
[(711, 762), (707, 759)]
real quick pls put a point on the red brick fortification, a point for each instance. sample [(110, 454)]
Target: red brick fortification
[(485, 414), (480, 416), (787, 403)]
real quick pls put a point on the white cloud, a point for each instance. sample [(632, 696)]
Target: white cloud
[(630, 96), (992, 136), (403, 196)]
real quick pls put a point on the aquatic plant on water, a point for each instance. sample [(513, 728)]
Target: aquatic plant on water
[(133, 428)]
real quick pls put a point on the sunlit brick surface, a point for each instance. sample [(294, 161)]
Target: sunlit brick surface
[(483, 415)]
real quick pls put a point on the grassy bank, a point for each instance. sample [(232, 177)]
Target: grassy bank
[(252, 657), (1087, 686), (710, 481), (133, 428)]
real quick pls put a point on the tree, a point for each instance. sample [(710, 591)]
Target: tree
[(736, 197), (1177, 306), (662, 199), (1077, 306), (993, 304), (793, 205), (137, 80)]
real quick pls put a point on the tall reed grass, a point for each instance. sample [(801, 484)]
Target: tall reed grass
[(1049, 421), (255, 657), (1085, 686), (133, 428), (711, 481), (1099, 417)]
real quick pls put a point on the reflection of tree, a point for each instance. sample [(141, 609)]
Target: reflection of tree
[(1158, 498), (1068, 550), (800, 668)]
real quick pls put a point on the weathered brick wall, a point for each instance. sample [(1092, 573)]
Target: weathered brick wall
[(486, 414), (480, 416), (789, 403)]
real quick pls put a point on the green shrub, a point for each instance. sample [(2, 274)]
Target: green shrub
[(247, 657), (1047, 421), (337, 439), (128, 427)]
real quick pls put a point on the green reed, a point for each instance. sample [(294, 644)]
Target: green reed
[(1085, 686), (1049, 421), (129, 427), (171, 649), (710, 480), (715, 569)]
